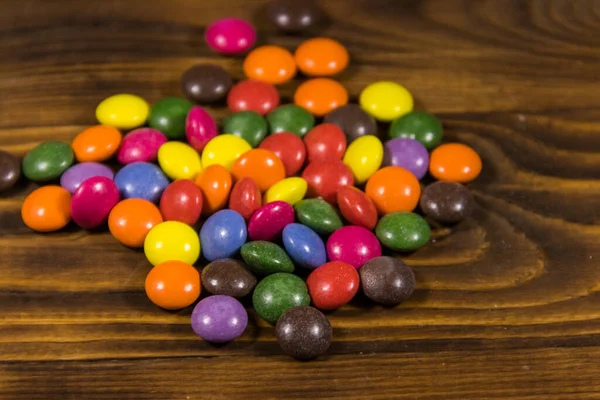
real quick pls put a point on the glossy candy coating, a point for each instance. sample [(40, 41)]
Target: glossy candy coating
[(403, 231), (172, 240), (325, 178), (289, 148), (97, 143), (364, 157), (268, 221), (408, 154), (223, 234), (263, 166), (321, 57), (387, 280), (325, 142), (304, 246), (290, 118), (248, 125), (179, 160), (356, 207), (354, 245), (303, 332), (219, 319), (230, 36), (181, 201), (320, 96), (141, 145), (293, 15), (47, 161), (332, 285), (72, 178), (318, 215), (47, 209), (200, 128), (454, 162), (418, 125), (271, 64), (277, 293), (447, 202), (215, 184), (228, 277), (123, 111), (10, 170), (141, 180), (290, 190), (173, 285), (245, 197), (224, 150), (131, 220), (168, 116), (386, 100), (393, 189), (353, 121), (251, 95), (265, 258), (205, 83), (93, 200)]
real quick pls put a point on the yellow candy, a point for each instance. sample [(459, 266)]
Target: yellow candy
[(224, 150), (364, 157), (123, 111), (290, 190), (386, 101), (179, 161), (172, 240)]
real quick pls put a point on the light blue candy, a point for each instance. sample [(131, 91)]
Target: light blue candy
[(223, 234), (141, 180), (304, 246)]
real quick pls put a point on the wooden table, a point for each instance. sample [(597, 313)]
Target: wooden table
[(507, 304)]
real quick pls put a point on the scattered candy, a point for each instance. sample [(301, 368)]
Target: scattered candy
[(447, 202), (290, 190), (320, 96), (353, 121), (92, 202), (393, 189), (402, 231), (248, 125), (325, 142), (123, 111), (318, 215), (455, 162), (364, 157), (245, 197), (219, 319), (181, 201), (47, 209), (289, 148), (268, 221), (215, 184), (200, 128), (205, 83), (141, 145), (304, 246), (385, 100), (250, 95), (72, 178), (263, 166), (230, 36), (47, 161), (420, 126), (303, 332), (265, 258), (321, 57), (290, 118), (354, 245), (228, 277), (97, 143), (10, 170), (408, 154), (172, 240), (141, 180), (271, 64), (173, 285), (356, 207), (131, 220), (387, 280), (224, 150), (223, 234), (325, 178), (294, 15), (332, 285), (168, 115), (277, 293), (179, 160)]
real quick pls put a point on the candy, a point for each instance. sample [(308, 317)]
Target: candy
[(230, 36), (205, 83), (393, 189), (215, 184), (141, 180), (290, 190), (289, 148), (47, 209), (47, 161), (320, 95), (268, 221), (318, 215), (447, 202), (277, 293), (92, 202), (263, 166), (303, 332), (97, 143), (387, 280), (356, 207), (271, 64), (385, 100), (402, 231), (141, 145), (200, 128), (265, 258), (228, 277), (332, 285), (219, 319), (10, 170), (321, 57), (364, 156), (325, 178), (223, 234), (245, 197), (290, 118), (123, 111), (420, 126), (224, 150), (173, 285), (294, 15), (181, 201), (172, 240), (131, 220), (74, 176), (325, 142), (304, 246), (168, 116), (354, 245), (179, 161), (407, 153), (455, 162), (250, 95), (353, 121), (248, 125)]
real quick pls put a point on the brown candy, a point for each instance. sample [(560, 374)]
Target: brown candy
[(228, 277), (303, 332), (10, 170), (447, 202), (294, 15), (387, 280), (353, 121), (206, 83)]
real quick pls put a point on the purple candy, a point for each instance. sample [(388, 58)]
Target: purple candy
[(200, 128), (74, 176), (141, 145), (407, 153), (93, 200), (219, 319), (230, 36), (268, 221)]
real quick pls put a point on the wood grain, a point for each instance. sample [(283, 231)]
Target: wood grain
[(507, 301)]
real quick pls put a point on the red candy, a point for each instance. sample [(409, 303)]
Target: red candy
[(332, 285), (325, 142), (245, 197), (289, 148), (325, 178), (268, 222), (356, 207), (250, 95), (181, 201), (92, 201)]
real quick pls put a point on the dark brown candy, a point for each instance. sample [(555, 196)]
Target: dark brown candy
[(447, 202), (303, 332), (387, 280), (294, 15), (353, 121), (205, 83), (10, 170), (228, 277)]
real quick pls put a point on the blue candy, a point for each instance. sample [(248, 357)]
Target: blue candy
[(141, 180), (304, 246), (223, 234)]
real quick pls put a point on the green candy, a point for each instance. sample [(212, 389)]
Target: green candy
[(290, 118), (168, 116), (266, 258), (248, 125), (403, 231), (318, 215), (277, 293), (47, 161), (419, 125)]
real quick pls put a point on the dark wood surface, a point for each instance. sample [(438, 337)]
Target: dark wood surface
[(507, 304)]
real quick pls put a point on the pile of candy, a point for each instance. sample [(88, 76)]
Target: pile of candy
[(273, 188)]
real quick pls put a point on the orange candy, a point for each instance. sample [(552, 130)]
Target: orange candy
[(173, 285), (131, 220), (321, 95), (321, 57), (47, 209), (454, 162), (393, 189), (272, 64), (97, 143), (263, 166), (215, 183)]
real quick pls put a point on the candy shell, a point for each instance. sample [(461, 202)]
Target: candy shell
[(354, 245), (123, 111), (172, 240), (248, 125), (408, 154), (228, 277), (321, 57), (219, 319), (290, 118), (92, 202), (47, 209), (179, 161), (455, 162), (141, 145), (271, 64), (289, 148), (97, 143), (364, 157), (420, 126), (205, 83), (268, 221), (251, 95), (200, 128), (387, 280), (386, 100), (215, 184), (290, 190), (318, 215), (293, 15), (245, 197), (224, 150), (320, 96), (277, 293), (141, 180), (333, 285), (403, 231), (173, 285), (47, 161), (181, 201), (393, 189), (10, 170), (263, 166), (303, 332), (304, 246), (447, 202), (324, 179), (265, 258), (168, 115), (223, 234), (74, 176), (356, 207), (131, 220), (230, 36), (325, 142)]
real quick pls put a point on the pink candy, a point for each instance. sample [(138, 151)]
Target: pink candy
[(92, 201), (200, 128), (141, 145), (230, 36), (354, 245), (268, 221)]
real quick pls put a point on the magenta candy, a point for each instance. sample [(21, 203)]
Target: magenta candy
[(200, 128), (268, 221), (230, 36), (354, 245), (74, 176), (141, 145), (92, 201)]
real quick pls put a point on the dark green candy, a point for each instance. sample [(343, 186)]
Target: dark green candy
[(277, 293), (419, 125), (290, 118), (318, 215), (47, 161), (266, 258), (248, 125), (168, 116), (403, 231)]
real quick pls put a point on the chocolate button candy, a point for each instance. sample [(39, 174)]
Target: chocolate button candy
[(277, 293), (228, 277), (294, 15), (248, 125), (47, 161), (205, 83), (168, 116), (447, 202), (387, 280), (353, 121), (291, 118), (318, 215), (420, 126), (10, 170), (403, 231), (266, 258), (303, 332)]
